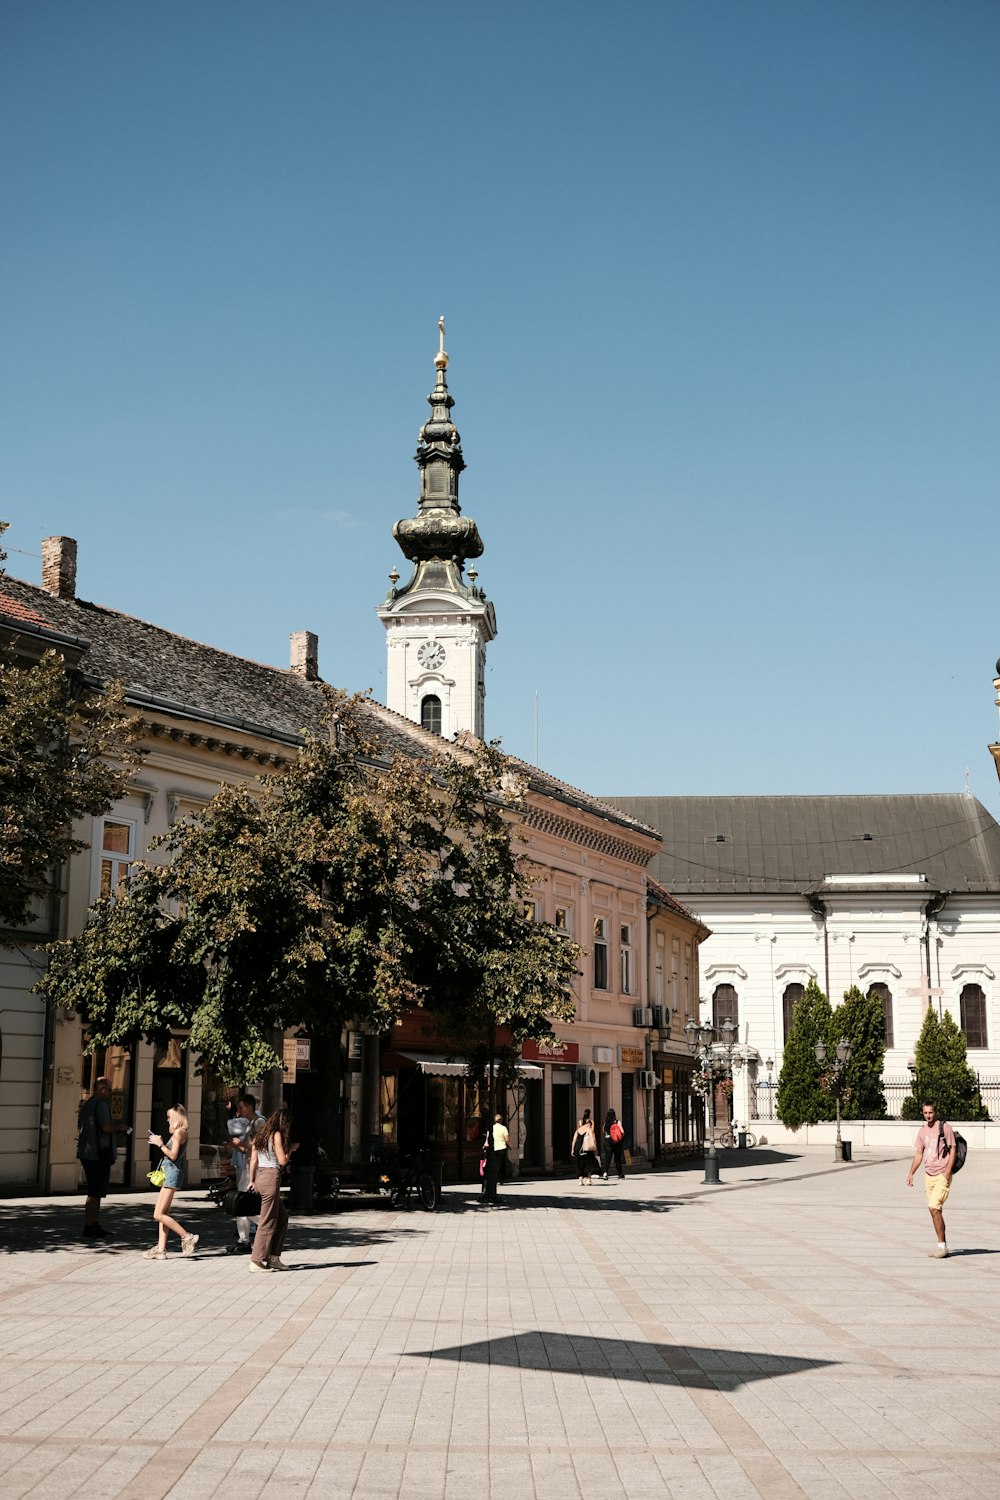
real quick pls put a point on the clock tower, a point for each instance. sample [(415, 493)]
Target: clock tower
[(439, 624)]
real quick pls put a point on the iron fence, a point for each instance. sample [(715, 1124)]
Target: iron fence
[(763, 1096)]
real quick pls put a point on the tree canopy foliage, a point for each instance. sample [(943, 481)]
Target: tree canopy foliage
[(861, 1019), (802, 1100), (343, 890), (943, 1073), (808, 1089), (65, 754)]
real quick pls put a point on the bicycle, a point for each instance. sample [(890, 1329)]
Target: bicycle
[(729, 1136), (409, 1180)]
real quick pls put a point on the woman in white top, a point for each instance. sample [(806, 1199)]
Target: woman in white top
[(271, 1151)]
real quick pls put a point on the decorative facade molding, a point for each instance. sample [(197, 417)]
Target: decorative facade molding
[(558, 826)]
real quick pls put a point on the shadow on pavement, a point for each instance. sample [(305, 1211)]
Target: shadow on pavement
[(627, 1359), (56, 1226), (473, 1202)]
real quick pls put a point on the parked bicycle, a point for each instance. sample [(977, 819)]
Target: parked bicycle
[(410, 1180), (734, 1135)]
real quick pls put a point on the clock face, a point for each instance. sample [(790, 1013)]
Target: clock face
[(431, 654)]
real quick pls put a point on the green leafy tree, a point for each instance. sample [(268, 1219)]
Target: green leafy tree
[(861, 1019), (66, 753), (802, 1100), (313, 898), (943, 1073)]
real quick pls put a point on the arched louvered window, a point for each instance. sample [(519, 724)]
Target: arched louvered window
[(430, 713), (725, 1005), (973, 1007), (789, 1000), (885, 995)]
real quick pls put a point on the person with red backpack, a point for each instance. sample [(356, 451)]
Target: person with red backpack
[(937, 1147), (613, 1144)]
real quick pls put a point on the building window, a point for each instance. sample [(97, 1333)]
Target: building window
[(725, 1005), (117, 850), (658, 963), (973, 1007), (562, 919), (600, 953), (885, 995), (531, 910), (793, 994), (430, 713), (625, 950)]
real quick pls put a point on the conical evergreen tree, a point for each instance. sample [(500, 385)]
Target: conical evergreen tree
[(862, 1020), (943, 1073), (801, 1100)]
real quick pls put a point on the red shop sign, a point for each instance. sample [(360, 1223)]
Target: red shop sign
[(558, 1052)]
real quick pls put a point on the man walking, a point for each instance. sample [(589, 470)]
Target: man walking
[(96, 1153), (935, 1147)]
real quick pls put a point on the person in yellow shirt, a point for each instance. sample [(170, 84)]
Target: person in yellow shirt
[(501, 1146)]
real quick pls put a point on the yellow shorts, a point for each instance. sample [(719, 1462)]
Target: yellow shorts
[(937, 1190)]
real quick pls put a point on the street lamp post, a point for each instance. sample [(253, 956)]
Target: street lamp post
[(712, 1062), (835, 1073)]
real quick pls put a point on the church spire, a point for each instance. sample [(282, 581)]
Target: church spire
[(439, 624), (438, 540)]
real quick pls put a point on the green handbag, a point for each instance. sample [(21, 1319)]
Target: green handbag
[(157, 1177)]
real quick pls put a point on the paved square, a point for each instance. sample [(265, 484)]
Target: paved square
[(782, 1335)]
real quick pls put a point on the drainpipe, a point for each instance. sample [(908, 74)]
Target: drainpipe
[(818, 909), (934, 906)]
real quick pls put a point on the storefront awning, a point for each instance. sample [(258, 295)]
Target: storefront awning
[(439, 1067)]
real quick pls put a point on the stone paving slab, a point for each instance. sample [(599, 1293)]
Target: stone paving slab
[(783, 1334)]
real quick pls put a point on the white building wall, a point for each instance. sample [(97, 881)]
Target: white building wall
[(759, 945)]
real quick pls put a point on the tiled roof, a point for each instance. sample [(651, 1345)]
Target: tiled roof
[(159, 668), (661, 895), (792, 844), (15, 609)]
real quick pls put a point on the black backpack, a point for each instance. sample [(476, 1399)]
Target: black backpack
[(961, 1147)]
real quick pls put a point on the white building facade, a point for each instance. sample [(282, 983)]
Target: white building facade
[(896, 894)]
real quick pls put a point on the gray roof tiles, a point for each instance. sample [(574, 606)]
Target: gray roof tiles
[(192, 680), (789, 844)]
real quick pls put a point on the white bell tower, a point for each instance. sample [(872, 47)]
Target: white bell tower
[(439, 624)]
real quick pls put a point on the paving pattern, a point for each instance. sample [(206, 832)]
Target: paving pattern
[(783, 1335)]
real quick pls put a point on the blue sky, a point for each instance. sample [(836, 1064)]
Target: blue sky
[(721, 290)]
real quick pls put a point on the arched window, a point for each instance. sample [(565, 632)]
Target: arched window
[(789, 1000), (725, 1005), (885, 995), (973, 1006), (430, 713)]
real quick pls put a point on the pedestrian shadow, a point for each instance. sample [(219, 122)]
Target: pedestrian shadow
[(972, 1251), (55, 1225), (627, 1359)]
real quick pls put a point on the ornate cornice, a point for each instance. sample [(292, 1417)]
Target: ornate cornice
[(573, 832)]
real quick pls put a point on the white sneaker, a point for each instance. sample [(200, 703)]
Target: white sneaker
[(254, 1267), (189, 1243)]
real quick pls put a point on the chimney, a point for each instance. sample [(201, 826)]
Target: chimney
[(59, 566), (305, 654)]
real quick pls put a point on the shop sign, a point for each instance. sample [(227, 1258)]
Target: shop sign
[(290, 1053), (557, 1052), (631, 1057), (303, 1052), (604, 1055)]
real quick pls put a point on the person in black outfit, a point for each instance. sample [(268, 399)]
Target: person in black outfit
[(491, 1172), (612, 1149)]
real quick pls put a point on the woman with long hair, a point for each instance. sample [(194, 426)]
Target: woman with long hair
[(173, 1148), (271, 1151)]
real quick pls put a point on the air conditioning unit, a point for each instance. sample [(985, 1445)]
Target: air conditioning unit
[(646, 1078), (660, 1019), (586, 1078), (642, 1017)]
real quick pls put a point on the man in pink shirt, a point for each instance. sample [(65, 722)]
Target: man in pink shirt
[(935, 1147)]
